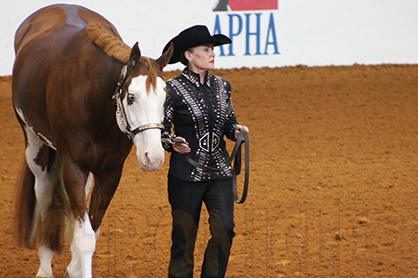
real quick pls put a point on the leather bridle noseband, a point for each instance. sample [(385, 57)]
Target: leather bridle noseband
[(121, 114)]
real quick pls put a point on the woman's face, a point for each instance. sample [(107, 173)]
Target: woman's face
[(201, 58)]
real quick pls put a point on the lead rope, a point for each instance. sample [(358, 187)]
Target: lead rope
[(237, 157)]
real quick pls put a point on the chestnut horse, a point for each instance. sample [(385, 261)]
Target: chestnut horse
[(69, 63)]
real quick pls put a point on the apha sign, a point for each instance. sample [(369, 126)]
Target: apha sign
[(250, 24)]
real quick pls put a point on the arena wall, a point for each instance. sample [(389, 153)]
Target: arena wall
[(267, 33)]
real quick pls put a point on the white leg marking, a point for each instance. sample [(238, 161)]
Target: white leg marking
[(88, 184), (87, 191), (43, 189), (46, 255), (97, 234), (82, 249), (44, 193)]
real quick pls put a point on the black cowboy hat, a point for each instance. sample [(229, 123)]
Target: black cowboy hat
[(191, 37)]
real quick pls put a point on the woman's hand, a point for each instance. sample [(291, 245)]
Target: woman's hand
[(239, 128), (180, 145)]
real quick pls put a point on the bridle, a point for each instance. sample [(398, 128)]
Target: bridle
[(121, 114)]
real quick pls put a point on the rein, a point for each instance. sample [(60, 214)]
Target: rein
[(121, 114), (236, 156)]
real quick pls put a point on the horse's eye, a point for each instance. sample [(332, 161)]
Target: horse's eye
[(131, 98)]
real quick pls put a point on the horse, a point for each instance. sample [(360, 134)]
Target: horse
[(83, 98)]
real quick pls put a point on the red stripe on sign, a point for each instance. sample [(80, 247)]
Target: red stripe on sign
[(250, 5)]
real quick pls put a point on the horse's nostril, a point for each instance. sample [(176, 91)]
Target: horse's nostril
[(146, 158), (149, 159)]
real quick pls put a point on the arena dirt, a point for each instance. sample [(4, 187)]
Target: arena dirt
[(333, 183)]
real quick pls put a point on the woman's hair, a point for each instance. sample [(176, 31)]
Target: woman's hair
[(183, 59)]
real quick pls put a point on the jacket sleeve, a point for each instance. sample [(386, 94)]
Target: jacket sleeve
[(166, 135), (231, 123)]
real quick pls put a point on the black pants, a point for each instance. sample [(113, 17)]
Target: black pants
[(186, 202)]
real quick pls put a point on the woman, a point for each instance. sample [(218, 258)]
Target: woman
[(200, 108)]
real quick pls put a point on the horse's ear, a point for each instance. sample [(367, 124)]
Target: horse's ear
[(135, 55), (165, 58)]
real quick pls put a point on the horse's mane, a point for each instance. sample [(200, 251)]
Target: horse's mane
[(116, 48), (112, 45)]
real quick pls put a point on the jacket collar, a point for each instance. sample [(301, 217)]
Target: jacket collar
[(194, 77)]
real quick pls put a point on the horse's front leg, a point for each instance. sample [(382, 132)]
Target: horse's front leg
[(105, 185), (87, 227), (84, 239), (82, 249)]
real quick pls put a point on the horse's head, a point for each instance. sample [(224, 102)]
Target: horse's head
[(140, 95), (141, 100)]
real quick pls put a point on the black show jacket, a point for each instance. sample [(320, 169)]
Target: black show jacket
[(202, 114)]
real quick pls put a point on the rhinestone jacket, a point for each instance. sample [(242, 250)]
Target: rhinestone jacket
[(202, 114)]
